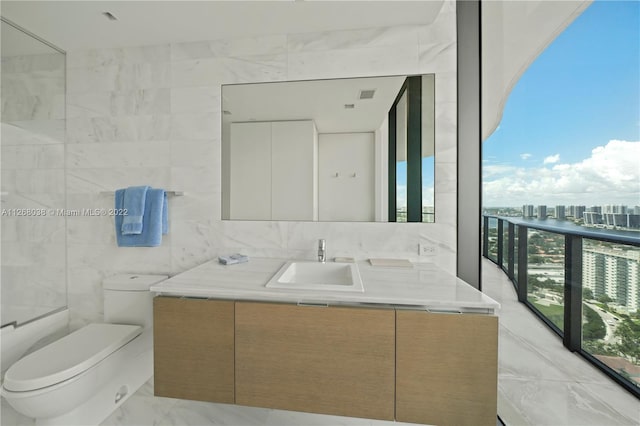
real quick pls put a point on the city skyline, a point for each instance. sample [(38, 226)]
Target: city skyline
[(605, 207), (611, 216), (570, 131)]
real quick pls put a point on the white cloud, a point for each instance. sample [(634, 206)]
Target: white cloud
[(526, 156), (401, 195), (428, 195), (552, 159), (497, 170), (611, 175)]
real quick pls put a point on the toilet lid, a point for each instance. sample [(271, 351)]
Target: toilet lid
[(68, 356)]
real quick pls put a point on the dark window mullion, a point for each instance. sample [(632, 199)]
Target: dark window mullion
[(392, 165), (414, 149), (572, 292), (511, 251), (522, 263), (500, 242)]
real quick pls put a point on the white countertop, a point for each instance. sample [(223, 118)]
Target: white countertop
[(423, 285)]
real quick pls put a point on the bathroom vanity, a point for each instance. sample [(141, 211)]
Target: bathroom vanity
[(418, 345)]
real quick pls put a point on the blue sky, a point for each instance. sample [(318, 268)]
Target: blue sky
[(570, 131), (428, 173)]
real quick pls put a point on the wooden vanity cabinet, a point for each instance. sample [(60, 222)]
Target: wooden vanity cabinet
[(194, 349), (331, 360), (408, 365), (446, 368)]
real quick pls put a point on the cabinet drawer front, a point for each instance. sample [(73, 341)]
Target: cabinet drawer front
[(194, 349), (447, 368), (316, 359)]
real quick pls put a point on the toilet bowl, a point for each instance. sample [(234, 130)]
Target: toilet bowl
[(83, 377)]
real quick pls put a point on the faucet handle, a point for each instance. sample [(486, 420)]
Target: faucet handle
[(322, 250)]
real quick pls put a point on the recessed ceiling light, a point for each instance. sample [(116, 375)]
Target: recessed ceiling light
[(349, 106), (110, 16)]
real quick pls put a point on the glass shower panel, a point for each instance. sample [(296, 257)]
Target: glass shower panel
[(33, 184)]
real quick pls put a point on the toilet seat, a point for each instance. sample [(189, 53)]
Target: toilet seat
[(68, 357)]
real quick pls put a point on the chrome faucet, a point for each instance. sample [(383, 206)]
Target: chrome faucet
[(322, 248)]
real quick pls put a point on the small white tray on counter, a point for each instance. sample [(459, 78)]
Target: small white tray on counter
[(396, 263)]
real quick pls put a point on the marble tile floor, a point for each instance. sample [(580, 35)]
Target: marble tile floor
[(144, 409), (542, 383), (539, 383)]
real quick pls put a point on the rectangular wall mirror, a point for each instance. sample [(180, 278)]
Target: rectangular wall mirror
[(341, 150)]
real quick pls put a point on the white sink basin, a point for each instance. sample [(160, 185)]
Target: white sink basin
[(300, 275)]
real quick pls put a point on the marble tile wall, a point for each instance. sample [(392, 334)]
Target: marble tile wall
[(151, 115), (32, 151)]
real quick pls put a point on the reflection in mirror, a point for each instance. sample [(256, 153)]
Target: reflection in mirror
[(349, 150), (428, 148), (401, 159)]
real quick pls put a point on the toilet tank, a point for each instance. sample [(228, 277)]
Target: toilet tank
[(127, 299)]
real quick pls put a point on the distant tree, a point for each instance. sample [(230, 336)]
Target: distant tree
[(535, 238), (587, 293), (629, 334), (594, 327), (604, 299), (536, 259), (598, 347)]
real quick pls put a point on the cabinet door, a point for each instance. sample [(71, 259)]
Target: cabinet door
[(193, 349), (447, 368), (250, 171), (316, 359)]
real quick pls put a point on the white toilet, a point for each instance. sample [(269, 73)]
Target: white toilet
[(81, 378)]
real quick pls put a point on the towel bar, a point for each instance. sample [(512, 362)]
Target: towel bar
[(169, 193)]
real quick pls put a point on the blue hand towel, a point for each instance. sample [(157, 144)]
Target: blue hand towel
[(154, 220), (134, 204), (165, 214)]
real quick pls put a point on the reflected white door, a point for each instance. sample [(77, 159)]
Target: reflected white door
[(346, 176)]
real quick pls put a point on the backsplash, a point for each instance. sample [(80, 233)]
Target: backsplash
[(151, 115)]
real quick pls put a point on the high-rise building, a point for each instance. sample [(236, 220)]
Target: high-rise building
[(595, 209), (560, 213), (611, 209), (576, 211), (612, 272), (527, 210), (622, 220), (592, 218), (542, 212)]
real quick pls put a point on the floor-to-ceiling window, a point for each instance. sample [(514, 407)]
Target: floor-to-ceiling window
[(560, 154)]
